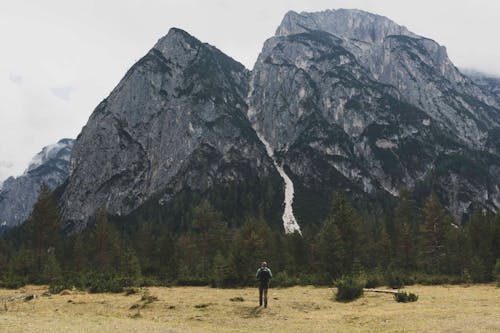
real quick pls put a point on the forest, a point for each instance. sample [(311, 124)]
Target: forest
[(407, 245)]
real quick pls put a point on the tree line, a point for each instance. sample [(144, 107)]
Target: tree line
[(409, 244)]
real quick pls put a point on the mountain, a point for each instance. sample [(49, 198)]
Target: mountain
[(176, 122), (490, 83), (18, 194), (337, 100), (352, 100)]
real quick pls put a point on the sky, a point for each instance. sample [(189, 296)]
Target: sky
[(60, 58)]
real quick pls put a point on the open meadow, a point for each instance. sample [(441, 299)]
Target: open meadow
[(298, 309)]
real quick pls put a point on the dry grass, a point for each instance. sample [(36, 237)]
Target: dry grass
[(299, 309)]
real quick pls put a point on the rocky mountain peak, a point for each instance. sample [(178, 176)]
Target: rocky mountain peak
[(176, 122), (18, 194), (350, 23)]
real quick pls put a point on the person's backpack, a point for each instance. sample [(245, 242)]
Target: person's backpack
[(264, 275)]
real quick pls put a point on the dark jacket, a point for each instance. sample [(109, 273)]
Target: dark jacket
[(264, 274)]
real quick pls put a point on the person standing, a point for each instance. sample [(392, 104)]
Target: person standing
[(264, 275)]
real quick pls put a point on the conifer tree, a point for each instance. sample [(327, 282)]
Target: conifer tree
[(481, 238), (407, 227), (252, 244), (331, 247), (209, 234), (106, 243), (348, 223), (130, 269), (436, 225), (80, 258), (43, 227)]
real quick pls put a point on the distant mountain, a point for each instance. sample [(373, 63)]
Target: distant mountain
[(18, 194), (490, 83), (339, 99), (176, 122), (352, 100)]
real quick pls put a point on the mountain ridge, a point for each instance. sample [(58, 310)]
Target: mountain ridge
[(18, 194), (345, 99)]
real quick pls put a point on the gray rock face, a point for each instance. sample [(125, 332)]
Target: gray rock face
[(418, 67), (351, 100), (345, 99), (490, 83), (17, 195), (175, 121)]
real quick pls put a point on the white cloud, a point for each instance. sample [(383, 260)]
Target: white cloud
[(60, 58)]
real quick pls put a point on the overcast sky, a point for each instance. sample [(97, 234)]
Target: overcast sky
[(59, 58)]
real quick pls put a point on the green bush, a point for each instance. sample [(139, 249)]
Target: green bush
[(148, 298), (496, 271), (282, 279), (478, 270), (395, 279), (317, 279), (435, 279), (12, 282), (101, 283), (374, 279), (130, 291), (404, 297), (56, 288), (350, 287)]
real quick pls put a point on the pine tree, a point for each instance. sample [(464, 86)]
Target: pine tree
[(43, 227), (481, 241), (168, 263), (252, 244), (79, 258), (348, 222), (437, 222), (405, 244), (51, 272), (130, 269), (209, 234), (331, 247), (106, 243), (147, 247)]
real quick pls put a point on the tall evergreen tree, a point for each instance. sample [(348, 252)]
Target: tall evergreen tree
[(106, 244), (43, 227), (436, 225), (252, 244), (331, 247), (481, 239), (407, 232), (348, 222)]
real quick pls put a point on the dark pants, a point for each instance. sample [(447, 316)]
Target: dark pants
[(263, 287)]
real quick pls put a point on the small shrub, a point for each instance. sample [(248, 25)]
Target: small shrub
[(148, 298), (350, 287), (101, 283), (131, 291), (374, 279), (56, 288), (10, 280), (395, 279), (12, 283), (314, 279), (237, 299), (136, 306), (203, 305), (496, 271), (466, 277), (478, 270), (404, 297), (282, 279)]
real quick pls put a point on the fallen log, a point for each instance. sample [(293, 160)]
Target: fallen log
[(380, 291), (26, 297)]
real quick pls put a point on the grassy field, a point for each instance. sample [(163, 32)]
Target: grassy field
[(298, 309)]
